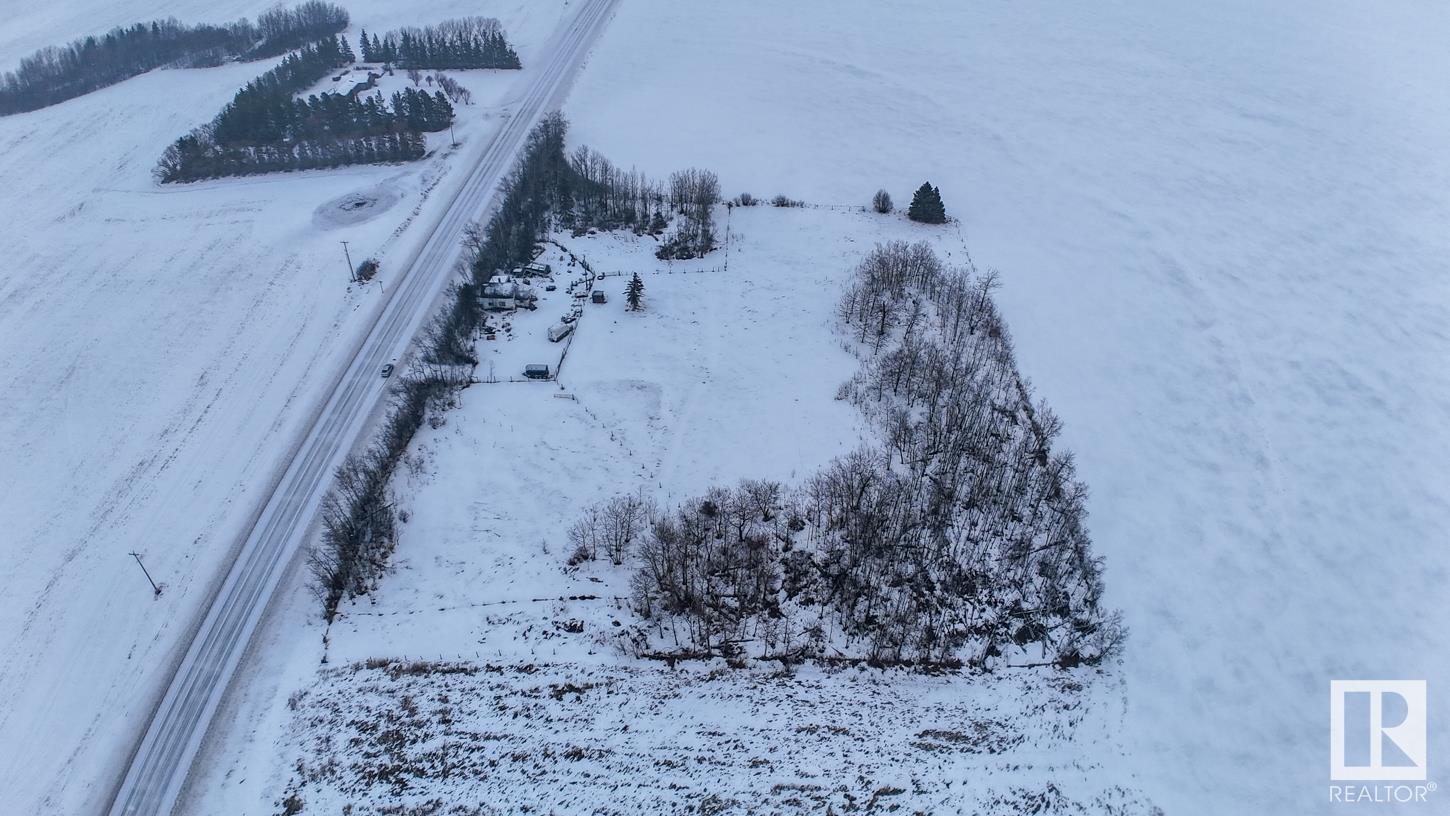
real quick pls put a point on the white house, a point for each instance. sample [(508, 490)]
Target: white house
[(498, 295), (503, 292)]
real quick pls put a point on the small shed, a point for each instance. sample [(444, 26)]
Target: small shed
[(598, 297), (559, 331), (536, 371)]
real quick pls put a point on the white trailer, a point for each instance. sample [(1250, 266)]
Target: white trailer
[(559, 331)]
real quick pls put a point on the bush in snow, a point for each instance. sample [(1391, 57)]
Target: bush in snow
[(455, 92), (881, 202)]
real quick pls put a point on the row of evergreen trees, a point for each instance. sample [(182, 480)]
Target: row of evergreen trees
[(57, 73), (468, 42), (266, 129), (262, 111), (193, 157)]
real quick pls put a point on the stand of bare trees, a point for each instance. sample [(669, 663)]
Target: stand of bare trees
[(608, 197), (609, 529), (694, 194), (962, 538), (283, 29), (359, 523)]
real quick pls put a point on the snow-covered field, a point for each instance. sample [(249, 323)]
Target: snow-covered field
[(1221, 229), (1221, 232), (615, 740), (163, 348)]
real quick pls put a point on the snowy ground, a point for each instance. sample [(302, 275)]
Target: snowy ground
[(1221, 236), (615, 740), (1221, 233), (1221, 229), (729, 373), (163, 348)]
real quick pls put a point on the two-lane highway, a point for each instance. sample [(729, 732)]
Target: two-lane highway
[(163, 759)]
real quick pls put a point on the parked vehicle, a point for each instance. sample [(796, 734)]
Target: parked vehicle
[(387, 371), (559, 332)]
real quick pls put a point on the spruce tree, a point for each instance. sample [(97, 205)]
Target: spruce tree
[(633, 293), (364, 46), (926, 205)]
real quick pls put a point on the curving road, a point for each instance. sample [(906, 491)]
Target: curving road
[(160, 764)]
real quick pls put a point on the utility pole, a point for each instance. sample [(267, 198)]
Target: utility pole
[(137, 556), (351, 275), (451, 136)]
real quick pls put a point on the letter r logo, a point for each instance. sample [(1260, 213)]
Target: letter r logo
[(1377, 730)]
